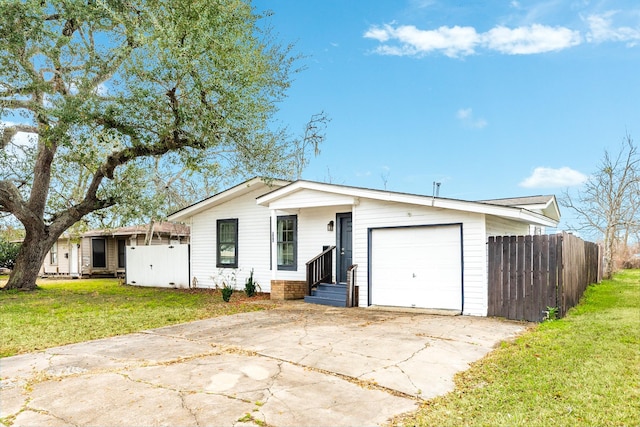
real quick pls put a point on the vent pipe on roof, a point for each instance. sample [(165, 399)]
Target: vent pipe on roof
[(436, 191)]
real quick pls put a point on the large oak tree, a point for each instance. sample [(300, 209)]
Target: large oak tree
[(112, 89)]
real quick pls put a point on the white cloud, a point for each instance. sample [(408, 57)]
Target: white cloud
[(102, 90), (548, 177), (601, 29), (20, 143), (463, 113), (422, 4), (20, 138), (462, 41), (452, 41), (466, 117), (531, 39), (25, 139), (377, 33)]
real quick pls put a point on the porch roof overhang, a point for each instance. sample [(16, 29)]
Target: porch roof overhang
[(301, 198), (305, 194)]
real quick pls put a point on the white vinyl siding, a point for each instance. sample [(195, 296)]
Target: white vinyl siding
[(253, 242), (312, 237), (497, 226), (313, 199)]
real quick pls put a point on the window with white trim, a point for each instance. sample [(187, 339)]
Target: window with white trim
[(53, 254)]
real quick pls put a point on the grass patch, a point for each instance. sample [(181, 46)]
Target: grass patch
[(580, 370), (68, 311)]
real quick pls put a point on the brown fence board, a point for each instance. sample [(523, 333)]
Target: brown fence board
[(512, 303), (520, 289), (494, 251), (530, 306), (527, 274), (504, 298)]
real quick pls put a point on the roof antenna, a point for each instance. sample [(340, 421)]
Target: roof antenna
[(436, 191)]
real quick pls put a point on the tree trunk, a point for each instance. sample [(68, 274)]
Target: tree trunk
[(28, 263), (609, 253)]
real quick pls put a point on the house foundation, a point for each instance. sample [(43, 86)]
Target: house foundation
[(288, 289)]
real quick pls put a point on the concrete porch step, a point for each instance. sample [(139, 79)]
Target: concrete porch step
[(330, 289), (324, 301), (332, 294)]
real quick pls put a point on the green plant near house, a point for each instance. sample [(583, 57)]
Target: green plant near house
[(227, 291), (550, 314), (228, 282), (250, 285)]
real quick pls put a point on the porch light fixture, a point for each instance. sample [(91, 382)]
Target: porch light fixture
[(330, 226)]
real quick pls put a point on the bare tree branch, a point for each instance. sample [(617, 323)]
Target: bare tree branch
[(609, 200)]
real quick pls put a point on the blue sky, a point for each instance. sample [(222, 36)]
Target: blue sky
[(490, 98)]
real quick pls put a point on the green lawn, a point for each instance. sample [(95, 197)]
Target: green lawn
[(581, 370), (64, 312)]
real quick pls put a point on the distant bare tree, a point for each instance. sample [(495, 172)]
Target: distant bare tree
[(384, 175), (314, 135), (608, 202)]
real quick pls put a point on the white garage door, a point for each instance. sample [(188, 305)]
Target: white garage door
[(417, 267)]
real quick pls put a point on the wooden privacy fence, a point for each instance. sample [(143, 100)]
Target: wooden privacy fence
[(529, 274)]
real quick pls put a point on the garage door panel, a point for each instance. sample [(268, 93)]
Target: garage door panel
[(417, 267)]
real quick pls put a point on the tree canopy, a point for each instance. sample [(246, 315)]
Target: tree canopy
[(127, 100)]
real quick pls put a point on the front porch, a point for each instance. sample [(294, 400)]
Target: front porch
[(318, 288), (311, 245)]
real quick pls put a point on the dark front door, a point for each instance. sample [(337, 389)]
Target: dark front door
[(344, 245)]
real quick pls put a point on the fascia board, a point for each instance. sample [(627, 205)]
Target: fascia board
[(520, 214), (516, 213), (550, 208)]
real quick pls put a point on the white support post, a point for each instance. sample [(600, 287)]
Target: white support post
[(274, 245)]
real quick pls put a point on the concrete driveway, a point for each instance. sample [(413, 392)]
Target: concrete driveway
[(296, 365)]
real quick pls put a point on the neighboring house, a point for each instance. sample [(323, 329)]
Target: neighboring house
[(410, 250), (103, 252), (63, 258)]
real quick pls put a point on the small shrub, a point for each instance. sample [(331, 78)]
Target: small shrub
[(550, 314), (227, 291), (631, 263), (250, 286), (228, 282)]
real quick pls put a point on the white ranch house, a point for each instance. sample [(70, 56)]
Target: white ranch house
[(410, 250)]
